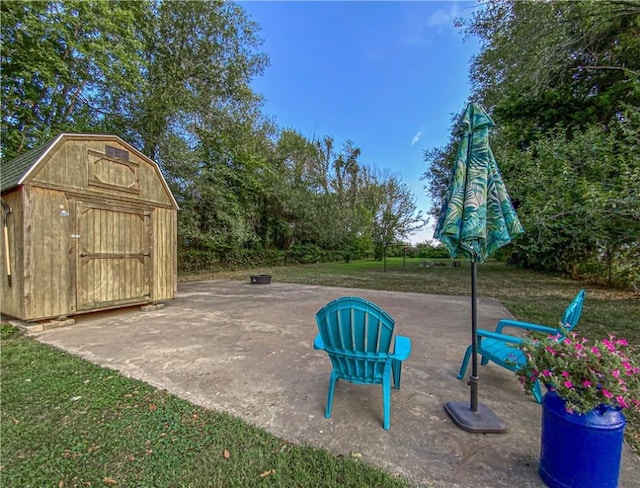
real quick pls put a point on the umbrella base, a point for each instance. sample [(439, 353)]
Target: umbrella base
[(484, 421)]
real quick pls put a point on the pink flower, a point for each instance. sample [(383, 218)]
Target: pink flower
[(578, 347), (609, 345), (586, 383), (607, 393), (616, 373), (565, 374), (595, 351), (546, 373), (622, 342), (551, 350), (568, 384), (621, 401)]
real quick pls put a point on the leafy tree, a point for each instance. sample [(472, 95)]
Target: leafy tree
[(561, 80), (173, 79), (199, 59), (588, 211), (332, 199), (395, 217), (549, 63), (291, 212), (66, 66)]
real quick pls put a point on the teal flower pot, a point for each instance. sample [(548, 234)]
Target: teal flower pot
[(580, 451)]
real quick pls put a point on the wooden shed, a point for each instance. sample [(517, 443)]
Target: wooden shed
[(90, 224)]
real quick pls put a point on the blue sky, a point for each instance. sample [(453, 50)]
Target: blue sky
[(386, 75)]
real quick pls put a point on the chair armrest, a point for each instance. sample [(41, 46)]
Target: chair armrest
[(499, 337), (524, 325), (401, 348), (318, 343)]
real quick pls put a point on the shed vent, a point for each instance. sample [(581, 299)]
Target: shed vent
[(116, 152)]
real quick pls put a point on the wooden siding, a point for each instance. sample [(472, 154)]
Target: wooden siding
[(48, 252), (12, 298), (164, 252), (76, 165)]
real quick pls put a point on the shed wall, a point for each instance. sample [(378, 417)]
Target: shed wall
[(165, 266), (48, 254)]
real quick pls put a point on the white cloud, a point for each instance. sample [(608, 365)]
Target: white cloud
[(443, 19), (416, 138), (422, 31)]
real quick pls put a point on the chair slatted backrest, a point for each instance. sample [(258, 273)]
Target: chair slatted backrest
[(357, 336), (573, 312)]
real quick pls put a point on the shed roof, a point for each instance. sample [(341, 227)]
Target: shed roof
[(16, 172)]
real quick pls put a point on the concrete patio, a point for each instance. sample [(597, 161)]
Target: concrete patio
[(247, 350)]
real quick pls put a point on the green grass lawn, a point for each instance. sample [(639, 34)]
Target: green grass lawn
[(68, 423)]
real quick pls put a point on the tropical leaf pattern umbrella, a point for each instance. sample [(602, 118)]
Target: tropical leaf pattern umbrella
[(477, 217)]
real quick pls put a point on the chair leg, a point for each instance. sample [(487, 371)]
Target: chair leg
[(537, 392), (484, 361), (465, 363), (386, 401), (332, 385), (396, 369)]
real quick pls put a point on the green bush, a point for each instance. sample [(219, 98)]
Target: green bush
[(303, 254), (190, 260), (193, 260), (267, 257), (427, 251), (620, 269)]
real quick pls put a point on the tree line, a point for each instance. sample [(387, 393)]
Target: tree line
[(562, 82), (173, 79), (560, 79)]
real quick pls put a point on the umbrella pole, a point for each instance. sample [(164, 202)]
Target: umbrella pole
[(477, 417), (473, 379)]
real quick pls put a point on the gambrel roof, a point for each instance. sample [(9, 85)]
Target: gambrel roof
[(18, 170)]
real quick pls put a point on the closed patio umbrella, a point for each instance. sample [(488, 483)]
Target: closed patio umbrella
[(476, 219)]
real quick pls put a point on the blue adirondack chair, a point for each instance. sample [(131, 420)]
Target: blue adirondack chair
[(503, 350), (356, 334)]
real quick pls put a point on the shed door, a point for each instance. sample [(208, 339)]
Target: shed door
[(113, 258)]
